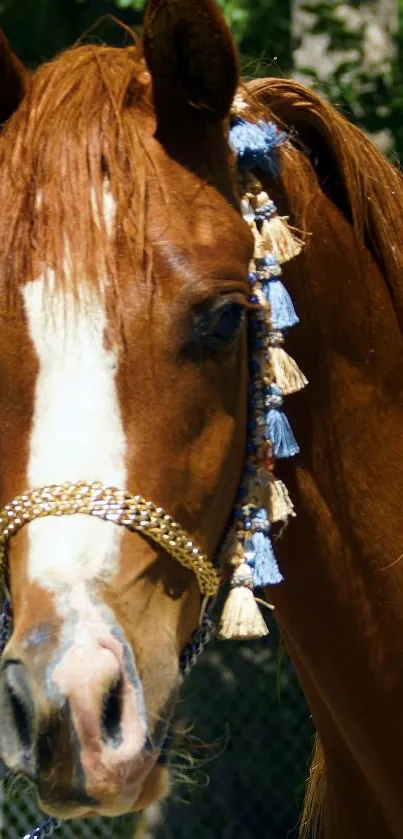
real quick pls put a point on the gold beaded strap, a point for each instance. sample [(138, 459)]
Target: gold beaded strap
[(113, 505)]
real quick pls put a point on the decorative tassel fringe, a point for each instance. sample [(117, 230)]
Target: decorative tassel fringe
[(259, 489), (255, 144), (279, 239), (260, 245), (283, 314), (248, 213), (280, 433), (262, 560), (268, 269), (280, 506), (264, 207), (287, 374), (262, 499), (239, 106), (241, 618)]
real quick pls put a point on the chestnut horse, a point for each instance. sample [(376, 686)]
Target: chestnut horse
[(123, 359)]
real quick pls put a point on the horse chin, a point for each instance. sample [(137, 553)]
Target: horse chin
[(154, 787)]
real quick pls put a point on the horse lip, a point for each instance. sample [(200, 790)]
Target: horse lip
[(125, 802), (140, 770)]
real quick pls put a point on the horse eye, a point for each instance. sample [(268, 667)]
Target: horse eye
[(218, 328)]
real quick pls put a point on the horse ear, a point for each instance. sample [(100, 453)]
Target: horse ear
[(13, 80), (192, 58)]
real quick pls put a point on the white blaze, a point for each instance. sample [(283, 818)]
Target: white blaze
[(77, 432)]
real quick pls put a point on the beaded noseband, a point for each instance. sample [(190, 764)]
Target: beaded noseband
[(109, 504)]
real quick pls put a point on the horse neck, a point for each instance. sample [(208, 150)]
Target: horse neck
[(338, 608)]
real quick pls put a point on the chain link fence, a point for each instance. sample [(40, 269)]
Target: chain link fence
[(241, 774)]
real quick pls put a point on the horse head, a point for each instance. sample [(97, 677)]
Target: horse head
[(124, 287)]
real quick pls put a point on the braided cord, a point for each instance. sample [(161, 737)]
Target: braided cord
[(6, 620), (198, 643), (45, 829)]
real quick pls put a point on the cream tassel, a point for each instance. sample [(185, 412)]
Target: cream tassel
[(247, 211), (271, 494), (279, 239), (280, 506), (239, 106), (241, 618), (260, 245), (261, 200), (287, 374)]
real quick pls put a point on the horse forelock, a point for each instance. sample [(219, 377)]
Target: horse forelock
[(76, 143)]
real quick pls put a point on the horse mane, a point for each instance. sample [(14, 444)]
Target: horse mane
[(313, 816), (79, 127), (368, 190), (351, 171)]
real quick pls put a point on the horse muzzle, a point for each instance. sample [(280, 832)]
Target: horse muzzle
[(77, 727)]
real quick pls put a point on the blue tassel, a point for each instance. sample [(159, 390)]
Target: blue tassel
[(265, 569), (255, 144), (283, 314), (249, 551), (258, 550), (278, 428), (270, 261)]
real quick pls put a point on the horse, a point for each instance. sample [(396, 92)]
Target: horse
[(124, 360)]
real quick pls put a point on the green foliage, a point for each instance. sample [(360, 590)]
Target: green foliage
[(138, 5), (263, 33), (369, 92), (38, 29), (396, 105)]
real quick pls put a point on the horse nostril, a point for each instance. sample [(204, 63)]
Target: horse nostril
[(112, 714), (19, 701)]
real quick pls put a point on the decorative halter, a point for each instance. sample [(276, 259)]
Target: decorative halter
[(262, 499), (115, 505)]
